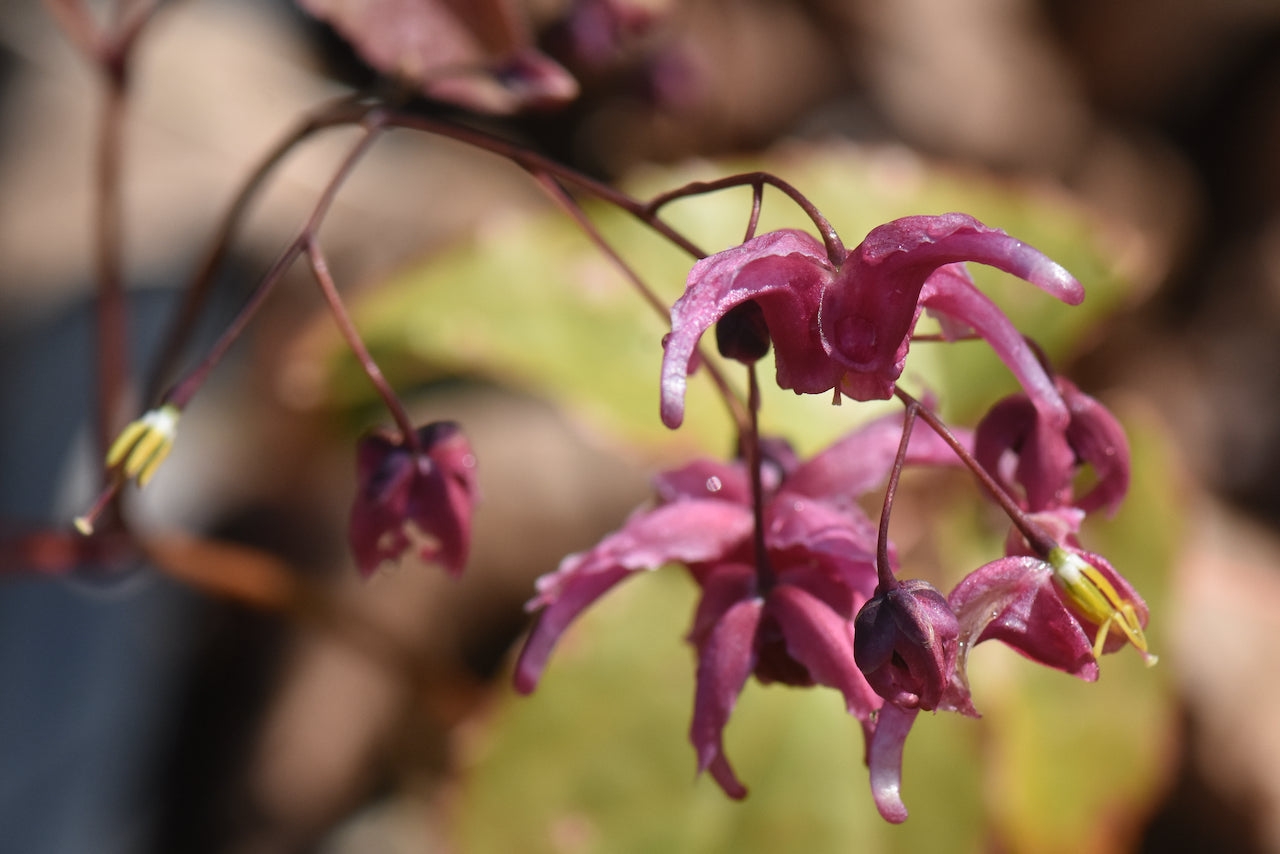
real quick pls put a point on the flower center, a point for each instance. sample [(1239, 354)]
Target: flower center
[(1098, 600)]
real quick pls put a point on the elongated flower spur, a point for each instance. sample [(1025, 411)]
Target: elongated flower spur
[(846, 325)]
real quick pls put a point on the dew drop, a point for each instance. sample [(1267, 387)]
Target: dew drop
[(714, 484)]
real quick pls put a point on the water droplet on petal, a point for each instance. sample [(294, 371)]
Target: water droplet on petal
[(713, 484)]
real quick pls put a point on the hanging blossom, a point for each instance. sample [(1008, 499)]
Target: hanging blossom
[(804, 591), (786, 615), (414, 497), (1038, 460), (847, 326)]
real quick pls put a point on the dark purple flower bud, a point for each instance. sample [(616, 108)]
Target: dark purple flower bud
[(419, 500), (905, 642), (742, 334)]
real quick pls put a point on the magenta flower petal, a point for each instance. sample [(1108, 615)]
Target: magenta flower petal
[(688, 531), (723, 586), (796, 522), (705, 479), (414, 501), (951, 290), (1017, 443), (725, 660), (999, 438), (869, 310), (573, 596), (860, 461), (784, 272), (1014, 600), (1099, 440), (884, 757), (819, 638)]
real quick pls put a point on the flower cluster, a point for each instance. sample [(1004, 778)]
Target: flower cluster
[(798, 585), (793, 622)]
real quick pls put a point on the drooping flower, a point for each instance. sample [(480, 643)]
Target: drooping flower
[(1021, 448), (1063, 612), (846, 324), (905, 643), (1048, 610), (790, 621), (419, 500)]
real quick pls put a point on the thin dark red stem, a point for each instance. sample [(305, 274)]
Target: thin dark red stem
[(112, 316), (836, 251), (757, 202), (570, 206), (884, 572), (320, 267), (536, 163), (180, 395), (765, 576), (374, 118), (343, 111), (1036, 537)]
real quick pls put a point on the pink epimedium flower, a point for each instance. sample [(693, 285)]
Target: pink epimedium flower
[(790, 620), (414, 500), (846, 324), (1017, 444), (1064, 611)]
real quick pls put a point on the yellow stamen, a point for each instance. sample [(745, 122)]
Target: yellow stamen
[(143, 445), (1097, 600)]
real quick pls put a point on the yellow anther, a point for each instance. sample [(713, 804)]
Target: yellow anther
[(144, 444), (1097, 600)]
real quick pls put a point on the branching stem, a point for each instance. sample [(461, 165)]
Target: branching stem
[(836, 252), (765, 576), (1036, 536), (180, 395), (556, 190), (320, 267)]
